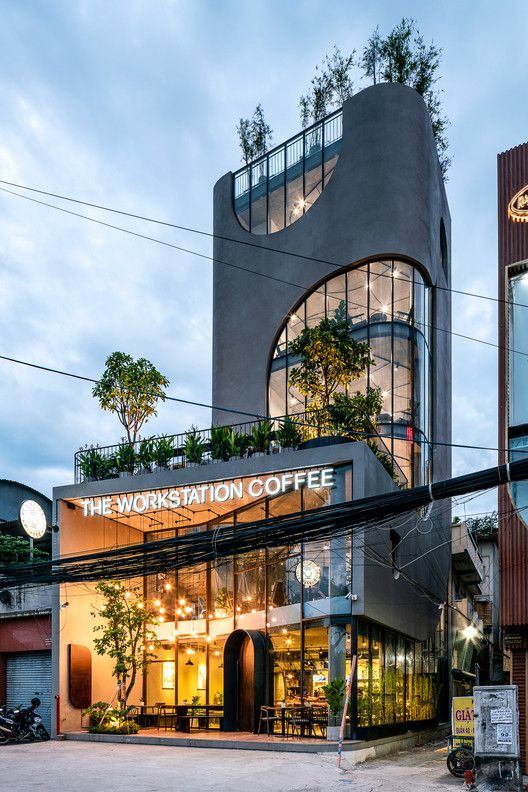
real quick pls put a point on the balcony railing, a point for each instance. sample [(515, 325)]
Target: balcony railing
[(278, 188), (218, 444)]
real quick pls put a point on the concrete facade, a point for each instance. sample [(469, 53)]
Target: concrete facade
[(386, 197)]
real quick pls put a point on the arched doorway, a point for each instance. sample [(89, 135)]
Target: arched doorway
[(246, 684)]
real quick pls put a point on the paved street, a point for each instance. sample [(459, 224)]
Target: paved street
[(86, 767)]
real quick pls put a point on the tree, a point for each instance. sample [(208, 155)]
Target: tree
[(131, 389), (483, 527), (16, 550), (254, 135), (404, 57), (329, 359), (125, 633), (371, 57), (330, 86)]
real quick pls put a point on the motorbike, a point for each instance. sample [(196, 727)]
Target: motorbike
[(22, 724)]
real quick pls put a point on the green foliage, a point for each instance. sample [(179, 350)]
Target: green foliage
[(163, 451), (16, 550), (331, 85), (95, 465), (194, 447), (254, 135), (404, 57), (105, 719), (356, 416), (195, 701), (483, 527), (125, 458), (329, 359), (220, 442), (288, 434), (261, 436), (222, 599), (237, 443), (124, 626), (334, 693), (145, 455), (131, 389)]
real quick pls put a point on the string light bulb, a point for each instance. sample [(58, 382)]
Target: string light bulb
[(182, 601), (127, 594), (168, 586), (157, 603)]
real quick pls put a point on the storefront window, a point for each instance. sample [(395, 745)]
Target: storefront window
[(286, 658), (216, 671), (376, 691), (192, 671), (363, 676)]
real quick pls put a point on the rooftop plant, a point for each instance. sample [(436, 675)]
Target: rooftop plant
[(164, 451), (261, 436), (194, 446), (131, 389), (220, 440)]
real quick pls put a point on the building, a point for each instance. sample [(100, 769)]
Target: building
[(513, 413), (348, 216), (25, 614)]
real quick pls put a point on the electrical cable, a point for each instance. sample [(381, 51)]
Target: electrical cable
[(196, 548), (222, 237), (283, 281), (259, 416)]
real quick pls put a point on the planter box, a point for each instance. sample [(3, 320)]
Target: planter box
[(332, 732), (324, 440)]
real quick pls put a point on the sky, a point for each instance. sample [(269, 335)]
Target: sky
[(133, 104)]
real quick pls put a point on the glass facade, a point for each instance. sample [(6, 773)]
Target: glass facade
[(518, 384), (293, 595), (388, 304), (279, 188)]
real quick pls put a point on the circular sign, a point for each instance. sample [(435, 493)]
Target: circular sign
[(308, 573), (33, 519)]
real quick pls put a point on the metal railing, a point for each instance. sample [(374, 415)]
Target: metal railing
[(320, 135), (170, 452)]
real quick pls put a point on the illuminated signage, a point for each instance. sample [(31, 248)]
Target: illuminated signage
[(202, 494), (33, 519), (518, 206)]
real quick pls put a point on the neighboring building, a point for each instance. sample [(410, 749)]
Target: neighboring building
[(350, 216), (513, 415), (25, 615), (466, 628), (487, 605)]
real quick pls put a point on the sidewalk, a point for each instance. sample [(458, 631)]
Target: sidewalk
[(85, 767)]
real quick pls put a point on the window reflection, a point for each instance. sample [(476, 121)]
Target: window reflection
[(388, 306)]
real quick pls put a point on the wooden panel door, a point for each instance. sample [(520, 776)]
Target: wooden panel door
[(246, 671)]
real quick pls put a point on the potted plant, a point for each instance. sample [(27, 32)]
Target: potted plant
[(237, 444), (220, 443), (261, 436), (146, 455), (125, 459), (193, 448), (334, 693), (288, 435), (164, 451), (91, 463), (221, 603)]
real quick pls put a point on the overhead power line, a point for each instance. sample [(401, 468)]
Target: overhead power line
[(227, 540), (212, 235), (241, 268), (258, 416)]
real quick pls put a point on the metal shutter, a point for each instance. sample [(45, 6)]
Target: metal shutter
[(28, 674)]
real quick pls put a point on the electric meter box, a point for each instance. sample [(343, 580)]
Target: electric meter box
[(496, 721)]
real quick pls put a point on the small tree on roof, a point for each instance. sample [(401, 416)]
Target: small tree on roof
[(131, 389)]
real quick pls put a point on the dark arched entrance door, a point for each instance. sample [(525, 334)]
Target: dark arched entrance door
[(246, 684)]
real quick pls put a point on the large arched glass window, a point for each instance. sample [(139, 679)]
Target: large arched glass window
[(388, 304)]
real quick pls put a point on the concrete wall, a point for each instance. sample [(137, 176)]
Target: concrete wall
[(386, 197)]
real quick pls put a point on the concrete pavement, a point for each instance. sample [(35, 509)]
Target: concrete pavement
[(91, 767)]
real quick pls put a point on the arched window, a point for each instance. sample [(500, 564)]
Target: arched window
[(388, 305)]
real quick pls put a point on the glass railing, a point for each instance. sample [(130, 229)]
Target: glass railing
[(277, 189)]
